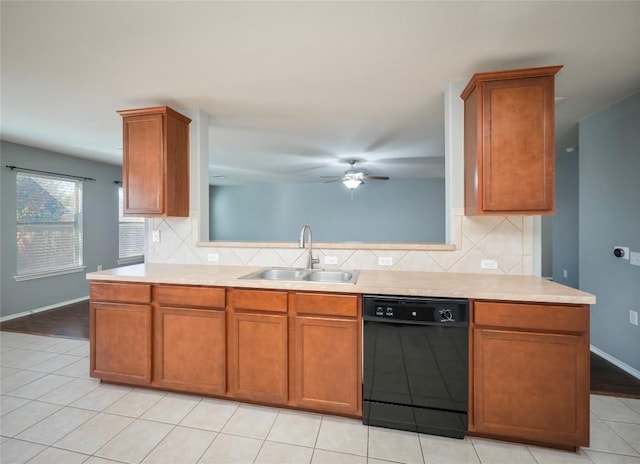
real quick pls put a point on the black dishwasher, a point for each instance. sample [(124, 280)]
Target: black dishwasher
[(415, 364)]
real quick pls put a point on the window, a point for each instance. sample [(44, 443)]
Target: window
[(49, 225), (130, 235)]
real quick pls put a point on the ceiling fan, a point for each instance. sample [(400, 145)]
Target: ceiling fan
[(352, 177)]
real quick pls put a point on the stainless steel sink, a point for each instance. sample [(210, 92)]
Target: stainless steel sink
[(321, 275), (277, 273), (303, 275)]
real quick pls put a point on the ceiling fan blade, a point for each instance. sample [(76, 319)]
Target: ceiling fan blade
[(375, 177), (332, 180)]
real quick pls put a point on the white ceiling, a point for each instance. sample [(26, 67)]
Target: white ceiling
[(296, 88)]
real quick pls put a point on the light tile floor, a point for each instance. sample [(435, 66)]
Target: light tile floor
[(51, 412)]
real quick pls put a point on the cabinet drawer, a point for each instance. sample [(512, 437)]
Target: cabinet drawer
[(264, 300), (209, 297), (326, 304), (124, 293), (566, 318)]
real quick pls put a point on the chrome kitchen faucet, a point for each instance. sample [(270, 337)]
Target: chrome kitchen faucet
[(311, 261)]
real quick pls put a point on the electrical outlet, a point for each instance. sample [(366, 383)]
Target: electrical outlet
[(213, 257), (155, 236), (489, 264), (634, 258), (331, 260), (385, 261), (633, 317), (99, 267)]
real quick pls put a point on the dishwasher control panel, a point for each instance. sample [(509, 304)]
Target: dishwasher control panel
[(408, 309)]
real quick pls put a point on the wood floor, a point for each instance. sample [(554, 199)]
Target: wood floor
[(72, 321)]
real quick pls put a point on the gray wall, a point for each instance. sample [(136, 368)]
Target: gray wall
[(546, 245), (565, 233), (610, 215), (100, 227), (408, 211)]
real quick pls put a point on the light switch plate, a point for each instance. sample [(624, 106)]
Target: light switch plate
[(385, 261), (634, 258), (155, 236), (213, 257), (633, 317)]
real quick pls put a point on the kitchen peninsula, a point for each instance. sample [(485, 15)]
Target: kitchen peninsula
[(201, 329)]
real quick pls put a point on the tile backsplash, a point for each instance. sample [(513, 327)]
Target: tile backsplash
[(506, 239)]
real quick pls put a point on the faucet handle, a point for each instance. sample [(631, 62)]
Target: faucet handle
[(315, 260)]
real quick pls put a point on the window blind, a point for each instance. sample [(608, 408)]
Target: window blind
[(130, 233), (49, 223)]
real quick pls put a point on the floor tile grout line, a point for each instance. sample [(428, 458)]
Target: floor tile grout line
[(315, 442), (258, 453), (264, 439), (113, 438), (589, 458), (635, 447), (368, 437), (71, 379), (158, 444), (532, 455), (228, 419), (475, 450), (33, 443), (24, 430), (626, 406), (424, 457), (637, 455), (47, 349), (618, 421), (92, 391), (208, 446), (62, 367), (71, 431)]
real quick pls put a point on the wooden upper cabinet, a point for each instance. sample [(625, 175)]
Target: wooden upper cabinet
[(509, 142), (155, 167)]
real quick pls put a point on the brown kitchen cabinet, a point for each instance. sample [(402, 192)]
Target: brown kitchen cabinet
[(509, 142), (530, 373), (155, 163), (189, 339), (326, 352), (120, 332), (258, 345)]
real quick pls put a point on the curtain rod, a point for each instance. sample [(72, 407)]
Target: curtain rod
[(48, 172)]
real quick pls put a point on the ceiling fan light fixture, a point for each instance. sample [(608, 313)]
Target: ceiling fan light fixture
[(351, 182)]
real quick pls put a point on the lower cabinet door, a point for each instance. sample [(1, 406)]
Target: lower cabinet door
[(258, 357), (327, 365), (121, 342), (189, 350), (531, 386)]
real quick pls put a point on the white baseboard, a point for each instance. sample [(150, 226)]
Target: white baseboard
[(44, 308), (616, 362)]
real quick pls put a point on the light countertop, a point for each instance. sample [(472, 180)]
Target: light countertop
[(406, 283)]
